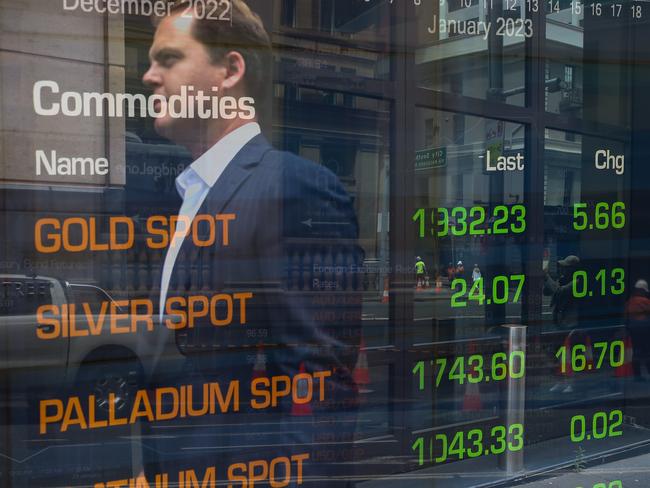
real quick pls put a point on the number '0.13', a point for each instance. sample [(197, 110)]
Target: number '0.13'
[(602, 284)]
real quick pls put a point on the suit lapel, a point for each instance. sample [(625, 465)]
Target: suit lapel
[(232, 179), (236, 173)]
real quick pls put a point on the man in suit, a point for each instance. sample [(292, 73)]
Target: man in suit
[(288, 219)]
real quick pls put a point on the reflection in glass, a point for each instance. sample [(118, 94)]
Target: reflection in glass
[(474, 48)]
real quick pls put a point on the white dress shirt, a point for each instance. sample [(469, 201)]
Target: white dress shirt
[(194, 184)]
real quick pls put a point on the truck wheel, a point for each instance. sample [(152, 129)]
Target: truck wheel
[(120, 378)]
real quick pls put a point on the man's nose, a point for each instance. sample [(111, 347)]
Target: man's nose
[(151, 78)]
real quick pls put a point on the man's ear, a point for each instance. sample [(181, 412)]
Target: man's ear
[(235, 70)]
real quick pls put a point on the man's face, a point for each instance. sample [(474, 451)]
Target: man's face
[(177, 60)]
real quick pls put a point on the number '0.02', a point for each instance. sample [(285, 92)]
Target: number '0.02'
[(600, 426)]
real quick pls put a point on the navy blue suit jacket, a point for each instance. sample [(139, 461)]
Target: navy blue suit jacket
[(293, 244)]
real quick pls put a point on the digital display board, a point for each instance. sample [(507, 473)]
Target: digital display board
[(324, 243)]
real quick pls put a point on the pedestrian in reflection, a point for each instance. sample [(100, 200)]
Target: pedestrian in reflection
[(420, 272), (637, 320), (451, 273), (565, 308), (272, 196), (460, 270), (476, 274)]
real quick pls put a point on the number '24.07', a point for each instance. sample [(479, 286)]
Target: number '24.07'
[(498, 294)]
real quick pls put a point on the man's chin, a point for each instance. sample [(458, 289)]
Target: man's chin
[(164, 127), (171, 130)]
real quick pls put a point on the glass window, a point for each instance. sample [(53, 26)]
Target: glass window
[(469, 221), (473, 48), (338, 243)]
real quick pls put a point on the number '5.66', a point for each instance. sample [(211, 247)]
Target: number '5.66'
[(601, 217)]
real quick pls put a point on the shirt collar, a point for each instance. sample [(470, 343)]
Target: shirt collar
[(209, 166)]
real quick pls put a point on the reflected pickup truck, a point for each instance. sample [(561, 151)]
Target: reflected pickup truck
[(103, 363)]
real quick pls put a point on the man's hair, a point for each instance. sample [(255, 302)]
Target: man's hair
[(245, 34)]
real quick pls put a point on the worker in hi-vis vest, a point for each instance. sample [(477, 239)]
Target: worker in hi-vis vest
[(420, 271)]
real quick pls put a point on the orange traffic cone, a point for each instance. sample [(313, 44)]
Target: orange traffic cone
[(361, 374), (438, 284), (589, 353), (301, 409), (472, 398), (385, 296), (626, 369), (259, 369)]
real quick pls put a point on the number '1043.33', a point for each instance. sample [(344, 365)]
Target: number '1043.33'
[(473, 443)]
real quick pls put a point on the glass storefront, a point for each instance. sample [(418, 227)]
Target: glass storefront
[(355, 243)]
